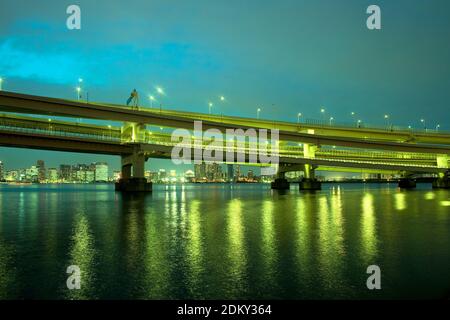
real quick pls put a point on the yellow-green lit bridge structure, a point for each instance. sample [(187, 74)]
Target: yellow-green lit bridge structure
[(29, 122)]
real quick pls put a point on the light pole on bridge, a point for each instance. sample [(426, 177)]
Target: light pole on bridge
[(152, 98), (299, 115), (1, 82), (423, 123), (210, 105), (258, 111)]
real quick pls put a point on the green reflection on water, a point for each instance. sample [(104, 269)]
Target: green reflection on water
[(236, 254), (368, 229), (82, 254)]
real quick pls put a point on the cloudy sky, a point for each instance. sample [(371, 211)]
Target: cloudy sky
[(284, 56)]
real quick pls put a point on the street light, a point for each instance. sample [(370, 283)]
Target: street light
[(331, 120), (423, 122), (437, 127), (152, 98), (222, 98), (322, 111), (1, 81), (299, 115), (210, 105), (79, 93), (359, 123), (386, 116), (257, 113)]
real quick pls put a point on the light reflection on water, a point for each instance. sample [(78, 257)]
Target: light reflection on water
[(221, 241)]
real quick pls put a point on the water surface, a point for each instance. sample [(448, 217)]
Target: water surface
[(224, 242)]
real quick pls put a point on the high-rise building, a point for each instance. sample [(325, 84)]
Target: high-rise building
[(65, 173), (2, 172), (101, 172), (162, 175), (250, 175), (31, 174), (230, 176), (200, 171), (41, 171), (238, 173), (52, 175)]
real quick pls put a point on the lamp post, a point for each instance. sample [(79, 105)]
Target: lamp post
[(386, 117), (1, 82), (331, 120), (210, 105), (258, 111), (423, 123), (359, 123), (299, 115), (152, 98), (322, 111), (437, 127), (78, 93), (161, 92)]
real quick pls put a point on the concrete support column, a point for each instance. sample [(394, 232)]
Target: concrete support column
[(126, 171), (443, 181), (407, 181), (280, 182), (133, 163), (309, 182)]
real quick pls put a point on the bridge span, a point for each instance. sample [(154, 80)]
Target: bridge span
[(302, 147)]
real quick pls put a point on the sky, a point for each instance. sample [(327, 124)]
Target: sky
[(284, 56)]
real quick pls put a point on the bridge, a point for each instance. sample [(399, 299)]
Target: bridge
[(303, 147)]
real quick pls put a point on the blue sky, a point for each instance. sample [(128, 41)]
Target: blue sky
[(285, 56)]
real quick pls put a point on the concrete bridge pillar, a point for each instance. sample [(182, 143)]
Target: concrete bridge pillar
[(407, 181), (309, 181), (280, 182), (133, 174), (443, 180)]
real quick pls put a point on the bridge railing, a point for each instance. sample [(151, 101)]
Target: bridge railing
[(56, 130), (363, 125)]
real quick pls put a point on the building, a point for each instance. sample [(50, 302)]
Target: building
[(65, 173), (41, 171), (250, 175), (162, 175), (101, 172), (230, 172), (52, 175), (31, 174), (237, 175), (189, 176), (200, 171)]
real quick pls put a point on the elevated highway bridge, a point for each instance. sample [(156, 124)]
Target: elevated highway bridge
[(305, 147)]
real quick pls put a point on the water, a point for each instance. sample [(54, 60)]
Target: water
[(223, 242)]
